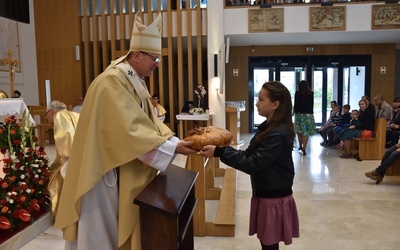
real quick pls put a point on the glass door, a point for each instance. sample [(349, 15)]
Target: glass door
[(353, 85), (261, 76), (325, 87), (288, 76)]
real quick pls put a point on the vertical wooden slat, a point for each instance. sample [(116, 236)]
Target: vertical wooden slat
[(122, 27), (113, 27), (181, 96), (160, 90), (131, 18), (104, 35), (95, 32), (86, 44), (199, 43), (171, 85), (149, 21), (189, 50)]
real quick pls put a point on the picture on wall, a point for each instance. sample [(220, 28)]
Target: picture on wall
[(328, 18), (386, 16), (9, 41), (266, 20)]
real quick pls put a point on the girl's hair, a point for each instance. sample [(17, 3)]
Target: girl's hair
[(276, 91), (303, 88)]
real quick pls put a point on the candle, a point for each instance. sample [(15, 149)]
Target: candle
[(48, 91)]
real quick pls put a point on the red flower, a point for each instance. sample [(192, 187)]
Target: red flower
[(6, 170), (16, 141), (4, 223), (35, 205), (4, 185), (24, 215), (4, 209), (13, 131), (3, 150)]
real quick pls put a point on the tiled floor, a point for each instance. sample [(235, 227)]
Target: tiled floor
[(339, 208)]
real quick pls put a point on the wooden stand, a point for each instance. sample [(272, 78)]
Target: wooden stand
[(166, 210), (233, 123), (205, 190)]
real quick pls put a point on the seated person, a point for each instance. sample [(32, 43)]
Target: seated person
[(78, 107), (389, 158), (333, 103), (159, 110), (367, 121), (334, 121), (344, 123), (393, 126), (382, 109)]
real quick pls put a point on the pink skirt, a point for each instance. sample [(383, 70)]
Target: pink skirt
[(274, 220)]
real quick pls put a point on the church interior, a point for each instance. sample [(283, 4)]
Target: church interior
[(59, 47)]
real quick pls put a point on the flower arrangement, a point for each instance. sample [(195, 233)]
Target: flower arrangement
[(23, 192), (194, 111)]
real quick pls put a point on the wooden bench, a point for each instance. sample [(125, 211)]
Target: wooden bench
[(394, 170), (205, 190), (372, 148)]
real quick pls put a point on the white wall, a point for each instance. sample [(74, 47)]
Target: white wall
[(26, 81)]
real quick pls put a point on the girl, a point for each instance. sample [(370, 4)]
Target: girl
[(268, 161)]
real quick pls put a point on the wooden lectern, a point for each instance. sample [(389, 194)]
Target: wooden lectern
[(166, 210), (233, 120)]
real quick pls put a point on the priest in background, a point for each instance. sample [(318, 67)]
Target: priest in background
[(119, 147), (64, 125)]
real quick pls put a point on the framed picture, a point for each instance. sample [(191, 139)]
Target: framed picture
[(266, 20), (386, 16), (9, 41), (328, 18)]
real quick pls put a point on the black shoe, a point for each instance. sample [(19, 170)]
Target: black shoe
[(329, 144), (304, 152), (323, 143)]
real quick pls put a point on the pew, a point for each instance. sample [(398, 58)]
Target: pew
[(224, 224), (394, 170), (372, 148)]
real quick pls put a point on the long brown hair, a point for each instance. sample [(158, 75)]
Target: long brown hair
[(304, 88), (276, 91)]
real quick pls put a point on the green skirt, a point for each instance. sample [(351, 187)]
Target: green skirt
[(304, 124)]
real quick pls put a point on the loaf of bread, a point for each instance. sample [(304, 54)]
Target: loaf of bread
[(202, 136)]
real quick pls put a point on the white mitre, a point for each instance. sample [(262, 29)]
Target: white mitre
[(147, 39)]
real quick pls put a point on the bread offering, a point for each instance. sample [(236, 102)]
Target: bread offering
[(202, 136)]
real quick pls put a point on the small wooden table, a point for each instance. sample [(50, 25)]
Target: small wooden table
[(185, 118)]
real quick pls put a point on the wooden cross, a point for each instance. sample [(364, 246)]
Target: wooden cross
[(12, 64)]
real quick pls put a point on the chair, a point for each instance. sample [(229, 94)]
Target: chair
[(43, 127)]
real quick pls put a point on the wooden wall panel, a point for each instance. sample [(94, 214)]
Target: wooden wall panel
[(381, 55), (55, 45)]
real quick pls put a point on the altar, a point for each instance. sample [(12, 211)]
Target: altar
[(186, 122), (16, 107)]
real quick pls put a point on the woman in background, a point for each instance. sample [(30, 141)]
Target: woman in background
[(304, 115), (268, 161), (366, 119)]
